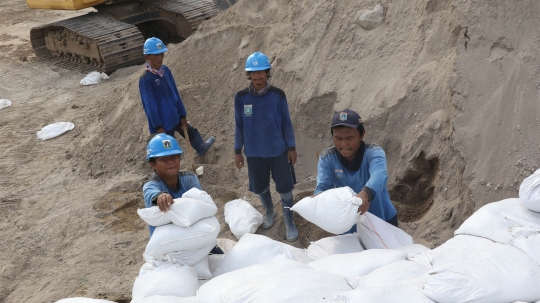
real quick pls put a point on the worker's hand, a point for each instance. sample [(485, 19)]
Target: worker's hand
[(184, 123), (160, 131), (239, 161), (365, 202), (164, 202), (291, 157)]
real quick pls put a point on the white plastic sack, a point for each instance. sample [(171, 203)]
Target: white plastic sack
[(498, 274), (83, 300), (357, 264), (94, 78), (281, 280), (529, 191), (4, 103), (242, 217), (166, 280), (503, 222), (331, 210), (185, 257), (530, 246), (454, 249), (402, 293), (202, 269), (54, 130), (414, 248), (401, 271), (167, 299), (342, 244), (214, 261), (172, 238), (374, 232), (252, 249), (197, 194)]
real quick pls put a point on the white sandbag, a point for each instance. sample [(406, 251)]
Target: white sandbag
[(94, 78), (252, 249), (4, 103), (298, 253), (184, 257), (498, 274), (529, 191), (197, 194), (402, 293), (166, 280), (342, 244), (83, 300), (357, 264), (530, 246), (54, 130), (331, 210), (226, 244), (401, 271), (498, 221), (414, 248), (242, 217), (167, 299), (170, 237), (184, 212), (153, 216), (456, 248), (202, 269), (214, 261), (280, 280), (374, 232)]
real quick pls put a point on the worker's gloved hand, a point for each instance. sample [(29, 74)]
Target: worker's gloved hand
[(164, 201)]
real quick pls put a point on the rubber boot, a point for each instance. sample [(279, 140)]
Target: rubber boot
[(266, 200), (199, 145), (288, 217)]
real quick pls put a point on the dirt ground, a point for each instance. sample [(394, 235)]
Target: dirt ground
[(449, 89)]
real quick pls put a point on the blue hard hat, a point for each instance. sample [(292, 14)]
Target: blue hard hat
[(257, 61), (162, 145), (154, 46)]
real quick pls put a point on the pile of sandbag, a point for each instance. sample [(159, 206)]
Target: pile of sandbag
[(177, 254)]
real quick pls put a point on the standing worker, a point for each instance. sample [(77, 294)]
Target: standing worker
[(351, 162), (264, 129), (161, 100)]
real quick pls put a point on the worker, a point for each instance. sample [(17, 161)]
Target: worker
[(353, 163), (264, 129), (168, 182), (161, 100)]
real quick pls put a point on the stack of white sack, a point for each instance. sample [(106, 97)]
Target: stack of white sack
[(279, 280), (494, 257), (178, 249), (242, 217), (334, 211)]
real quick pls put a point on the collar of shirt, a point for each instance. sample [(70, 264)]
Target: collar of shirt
[(154, 71), (256, 92)]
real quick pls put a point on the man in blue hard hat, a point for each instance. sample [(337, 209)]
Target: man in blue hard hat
[(264, 129), (168, 182), (351, 162), (161, 100)]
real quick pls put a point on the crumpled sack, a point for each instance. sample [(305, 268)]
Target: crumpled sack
[(94, 78), (242, 217), (529, 191), (54, 130), (4, 103)]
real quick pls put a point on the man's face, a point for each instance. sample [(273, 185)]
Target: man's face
[(155, 61), (258, 78), (166, 167), (347, 141)]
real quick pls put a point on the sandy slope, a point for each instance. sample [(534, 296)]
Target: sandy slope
[(448, 88)]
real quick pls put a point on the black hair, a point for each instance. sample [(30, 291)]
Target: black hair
[(266, 70), (360, 128)]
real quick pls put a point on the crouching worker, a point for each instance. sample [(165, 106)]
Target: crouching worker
[(353, 163), (168, 182)]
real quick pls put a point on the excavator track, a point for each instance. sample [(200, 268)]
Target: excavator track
[(101, 42)]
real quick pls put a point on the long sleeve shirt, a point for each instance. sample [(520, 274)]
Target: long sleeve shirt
[(371, 174), (161, 100), (263, 123)]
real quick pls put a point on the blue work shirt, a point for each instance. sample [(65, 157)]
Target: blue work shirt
[(263, 123), (186, 181), (372, 174), (161, 100)]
